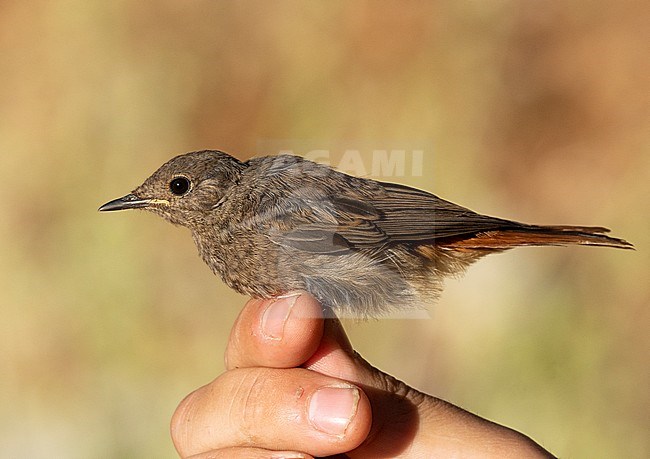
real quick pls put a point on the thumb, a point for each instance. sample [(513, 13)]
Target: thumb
[(408, 422), (395, 406), (335, 357)]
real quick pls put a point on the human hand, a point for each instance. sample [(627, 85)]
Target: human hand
[(294, 387)]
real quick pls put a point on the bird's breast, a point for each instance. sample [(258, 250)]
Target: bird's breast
[(243, 257)]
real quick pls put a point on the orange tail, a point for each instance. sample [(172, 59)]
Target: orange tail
[(539, 235)]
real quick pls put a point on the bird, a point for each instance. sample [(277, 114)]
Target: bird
[(278, 224)]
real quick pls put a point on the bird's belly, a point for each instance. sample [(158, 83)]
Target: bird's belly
[(362, 283), (359, 283)]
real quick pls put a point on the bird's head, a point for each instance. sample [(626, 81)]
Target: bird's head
[(185, 189)]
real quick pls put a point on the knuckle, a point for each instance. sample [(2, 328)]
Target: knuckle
[(181, 423), (231, 411), (248, 408)]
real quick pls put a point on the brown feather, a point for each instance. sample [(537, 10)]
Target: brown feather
[(538, 236)]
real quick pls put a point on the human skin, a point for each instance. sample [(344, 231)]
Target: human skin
[(295, 387)]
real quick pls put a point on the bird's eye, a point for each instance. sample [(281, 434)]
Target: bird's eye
[(179, 186)]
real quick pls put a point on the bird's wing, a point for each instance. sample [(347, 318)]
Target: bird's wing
[(410, 215), (335, 223), (324, 224)]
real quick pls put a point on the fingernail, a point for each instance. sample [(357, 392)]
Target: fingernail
[(332, 408), (276, 315)]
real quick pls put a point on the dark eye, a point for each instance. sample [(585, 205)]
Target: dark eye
[(179, 186)]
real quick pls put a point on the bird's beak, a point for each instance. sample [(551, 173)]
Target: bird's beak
[(130, 201)]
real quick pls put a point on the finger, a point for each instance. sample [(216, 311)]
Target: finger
[(404, 418), (293, 409), (278, 333), (335, 357), (250, 453), (397, 408)]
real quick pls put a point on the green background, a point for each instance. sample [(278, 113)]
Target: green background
[(535, 111)]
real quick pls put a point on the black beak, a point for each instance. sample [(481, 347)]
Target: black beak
[(130, 201)]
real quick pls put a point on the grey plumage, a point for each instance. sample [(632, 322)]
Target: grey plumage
[(275, 224)]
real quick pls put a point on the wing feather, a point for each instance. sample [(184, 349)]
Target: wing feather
[(407, 214), (371, 218)]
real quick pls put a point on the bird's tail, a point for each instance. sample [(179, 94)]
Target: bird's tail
[(532, 235)]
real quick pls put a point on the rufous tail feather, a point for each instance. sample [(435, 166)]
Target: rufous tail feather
[(538, 236)]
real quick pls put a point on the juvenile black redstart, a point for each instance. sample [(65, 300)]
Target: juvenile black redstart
[(276, 224)]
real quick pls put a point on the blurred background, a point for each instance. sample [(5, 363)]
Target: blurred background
[(535, 111)]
